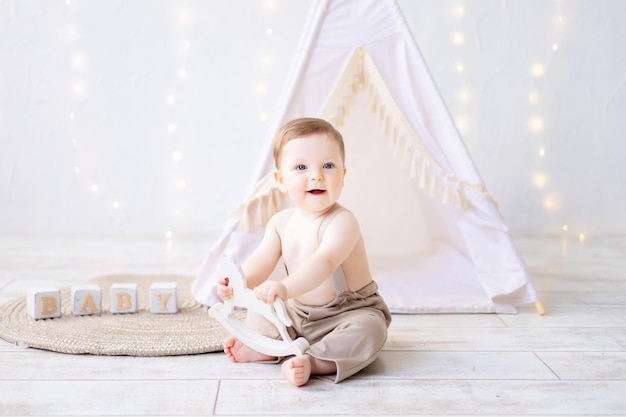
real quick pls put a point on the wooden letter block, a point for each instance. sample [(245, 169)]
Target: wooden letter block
[(43, 302), (123, 298), (86, 299), (163, 298)]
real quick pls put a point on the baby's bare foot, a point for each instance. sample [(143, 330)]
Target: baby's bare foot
[(297, 370), (238, 352)]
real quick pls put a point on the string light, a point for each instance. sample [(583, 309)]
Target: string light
[(78, 61), (458, 11), (116, 205), (581, 237), (462, 123), (267, 61), (458, 39), (263, 117), (535, 124), (269, 31), (459, 67), (261, 88), (94, 188), (184, 16), (539, 179), (537, 70), (464, 95), (79, 89), (270, 5)]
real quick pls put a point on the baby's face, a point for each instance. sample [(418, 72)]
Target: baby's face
[(311, 171)]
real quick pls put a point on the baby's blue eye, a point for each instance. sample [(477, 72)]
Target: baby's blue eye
[(300, 167), (329, 165)]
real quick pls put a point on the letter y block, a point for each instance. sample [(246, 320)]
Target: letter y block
[(163, 298)]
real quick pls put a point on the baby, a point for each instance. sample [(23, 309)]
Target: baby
[(329, 292)]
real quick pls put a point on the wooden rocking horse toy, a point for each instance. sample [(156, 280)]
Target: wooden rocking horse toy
[(244, 297)]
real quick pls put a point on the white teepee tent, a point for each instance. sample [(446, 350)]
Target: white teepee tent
[(435, 238)]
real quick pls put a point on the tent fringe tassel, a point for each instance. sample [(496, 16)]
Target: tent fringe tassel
[(361, 75)]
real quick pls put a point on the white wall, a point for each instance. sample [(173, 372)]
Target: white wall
[(85, 92)]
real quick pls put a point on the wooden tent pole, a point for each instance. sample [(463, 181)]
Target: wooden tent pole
[(541, 309)]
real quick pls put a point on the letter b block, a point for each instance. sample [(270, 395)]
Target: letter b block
[(163, 298), (86, 299), (123, 298), (43, 302)]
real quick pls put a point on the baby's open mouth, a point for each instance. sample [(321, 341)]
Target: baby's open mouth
[(316, 191)]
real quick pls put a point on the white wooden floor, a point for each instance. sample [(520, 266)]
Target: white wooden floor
[(570, 362)]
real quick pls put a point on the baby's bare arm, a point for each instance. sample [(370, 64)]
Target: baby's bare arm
[(339, 241), (258, 267)]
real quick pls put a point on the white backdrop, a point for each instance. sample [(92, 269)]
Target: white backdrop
[(148, 116)]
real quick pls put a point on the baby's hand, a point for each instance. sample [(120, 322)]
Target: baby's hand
[(223, 290), (269, 290)]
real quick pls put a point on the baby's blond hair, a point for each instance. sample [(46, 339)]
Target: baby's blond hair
[(304, 127)]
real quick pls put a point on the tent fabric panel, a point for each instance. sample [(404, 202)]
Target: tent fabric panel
[(473, 265)]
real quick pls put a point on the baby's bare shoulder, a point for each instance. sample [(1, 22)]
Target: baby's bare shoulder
[(280, 218), (344, 215), (343, 222)]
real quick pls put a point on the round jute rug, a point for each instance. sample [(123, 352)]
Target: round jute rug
[(189, 331)]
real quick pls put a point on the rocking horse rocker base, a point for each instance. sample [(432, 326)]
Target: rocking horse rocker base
[(244, 297)]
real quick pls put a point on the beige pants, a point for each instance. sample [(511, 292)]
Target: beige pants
[(350, 331)]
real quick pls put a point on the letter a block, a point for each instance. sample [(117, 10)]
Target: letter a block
[(86, 299), (123, 298), (43, 302), (163, 298)]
